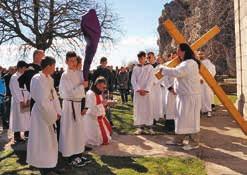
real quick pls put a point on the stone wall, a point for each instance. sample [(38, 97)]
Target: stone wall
[(240, 9), (194, 18)]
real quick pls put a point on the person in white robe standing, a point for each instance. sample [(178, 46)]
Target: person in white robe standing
[(156, 91), (164, 89), (20, 103), (42, 147), (188, 101), (170, 104), (142, 82), (207, 93), (72, 137), (97, 126), (170, 100)]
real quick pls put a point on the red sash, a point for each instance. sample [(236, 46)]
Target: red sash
[(102, 120)]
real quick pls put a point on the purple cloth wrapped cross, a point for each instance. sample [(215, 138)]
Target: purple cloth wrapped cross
[(90, 27)]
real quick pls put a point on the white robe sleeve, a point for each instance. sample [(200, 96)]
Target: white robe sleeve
[(181, 70), (43, 103), (91, 104), (134, 80), (56, 102), (212, 69), (210, 66), (16, 90), (150, 80), (67, 90)]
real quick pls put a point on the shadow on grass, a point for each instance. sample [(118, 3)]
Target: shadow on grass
[(15, 163), (124, 162)]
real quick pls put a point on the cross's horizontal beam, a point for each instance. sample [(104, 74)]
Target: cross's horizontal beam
[(205, 38)]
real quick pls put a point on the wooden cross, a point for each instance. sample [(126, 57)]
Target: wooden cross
[(179, 38)]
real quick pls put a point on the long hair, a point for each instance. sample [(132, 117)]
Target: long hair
[(100, 79), (189, 54)]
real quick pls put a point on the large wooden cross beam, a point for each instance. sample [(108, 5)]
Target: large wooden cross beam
[(179, 38)]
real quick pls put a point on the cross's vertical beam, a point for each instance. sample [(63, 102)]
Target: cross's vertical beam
[(179, 38)]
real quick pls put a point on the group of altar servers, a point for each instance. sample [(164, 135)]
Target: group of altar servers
[(80, 125), (179, 94)]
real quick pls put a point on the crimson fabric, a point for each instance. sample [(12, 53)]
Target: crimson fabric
[(103, 121)]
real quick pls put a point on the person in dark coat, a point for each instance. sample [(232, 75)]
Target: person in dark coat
[(7, 99), (130, 89), (33, 68), (103, 71), (56, 76), (123, 79)]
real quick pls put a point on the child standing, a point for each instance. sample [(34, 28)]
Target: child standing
[(142, 82), (72, 135), (42, 147), (20, 103)]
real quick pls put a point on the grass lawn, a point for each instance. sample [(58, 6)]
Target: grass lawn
[(123, 120), (13, 163), (123, 117)]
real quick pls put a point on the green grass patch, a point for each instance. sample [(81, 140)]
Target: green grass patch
[(123, 117), (233, 98), (123, 120), (14, 163)]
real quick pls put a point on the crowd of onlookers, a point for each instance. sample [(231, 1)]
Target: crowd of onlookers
[(119, 79)]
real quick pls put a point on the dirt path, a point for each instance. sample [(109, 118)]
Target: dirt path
[(223, 145)]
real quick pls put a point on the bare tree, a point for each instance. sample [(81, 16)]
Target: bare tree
[(40, 23)]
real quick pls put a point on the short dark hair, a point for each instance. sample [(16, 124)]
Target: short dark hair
[(21, 64), (150, 53), (36, 52), (70, 54), (103, 59), (47, 61), (141, 54)]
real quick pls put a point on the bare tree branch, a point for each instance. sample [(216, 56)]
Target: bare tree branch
[(38, 23)]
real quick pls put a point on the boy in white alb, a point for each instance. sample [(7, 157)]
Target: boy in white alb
[(98, 128), (170, 83), (206, 92), (142, 82), (42, 147), (72, 138), (156, 92), (20, 103)]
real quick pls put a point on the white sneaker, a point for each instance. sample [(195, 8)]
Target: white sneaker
[(151, 131), (190, 147), (209, 114), (138, 131)]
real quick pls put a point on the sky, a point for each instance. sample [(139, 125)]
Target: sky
[(138, 21)]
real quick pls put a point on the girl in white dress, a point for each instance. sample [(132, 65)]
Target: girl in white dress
[(188, 101)]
